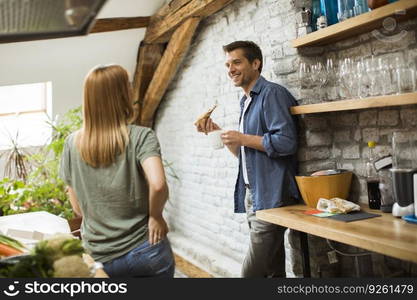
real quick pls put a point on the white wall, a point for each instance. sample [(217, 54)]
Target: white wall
[(66, 61)]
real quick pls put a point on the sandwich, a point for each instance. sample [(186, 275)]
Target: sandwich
[(202, 120)]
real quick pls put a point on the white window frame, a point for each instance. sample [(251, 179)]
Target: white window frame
[(46, 108)]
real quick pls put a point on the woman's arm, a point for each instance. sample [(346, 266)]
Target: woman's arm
[(74, 201), (158, 194)]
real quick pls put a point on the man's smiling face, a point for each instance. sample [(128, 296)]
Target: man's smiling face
[(240, 70)]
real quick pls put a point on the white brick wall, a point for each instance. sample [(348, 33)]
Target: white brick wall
[(200, 212), (204, 228)]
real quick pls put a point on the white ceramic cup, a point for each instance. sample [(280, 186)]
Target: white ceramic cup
[(215, 139)]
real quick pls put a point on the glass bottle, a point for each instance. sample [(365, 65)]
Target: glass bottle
[(315, 13), (360, 7), (372, 179), (341, 10), (329, 10)]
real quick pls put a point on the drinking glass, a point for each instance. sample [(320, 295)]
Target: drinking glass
[(384, 79), (404, 149), (304, 74), (320, 78), (347, 76), (365, 80), (331, 71), (405, 79), (322, 75), (373, 72)]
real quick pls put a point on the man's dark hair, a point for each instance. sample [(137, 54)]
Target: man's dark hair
[(250, 50)]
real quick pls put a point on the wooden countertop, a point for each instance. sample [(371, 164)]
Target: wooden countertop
[(387, 234)]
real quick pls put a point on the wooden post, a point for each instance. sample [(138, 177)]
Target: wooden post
[(173, 55), (113, 24), (170, 16), (149, 56)]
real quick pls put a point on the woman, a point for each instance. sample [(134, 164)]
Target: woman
[(116, 181)]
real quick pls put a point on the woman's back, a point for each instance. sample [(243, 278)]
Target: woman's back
[(115, 198)]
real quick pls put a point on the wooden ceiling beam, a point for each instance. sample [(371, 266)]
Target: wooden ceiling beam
[(149, 56), (168, 66), (171, 15), (113, 24)]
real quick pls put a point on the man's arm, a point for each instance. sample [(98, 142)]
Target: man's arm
[(281, 137), (234, 139), (234, 149)]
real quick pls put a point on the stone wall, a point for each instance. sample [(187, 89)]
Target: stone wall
[(204, 228)]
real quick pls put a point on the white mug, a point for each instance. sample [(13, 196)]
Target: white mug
[(215, 139)]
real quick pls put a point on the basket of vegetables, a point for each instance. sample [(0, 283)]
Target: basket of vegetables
[(61, 256)]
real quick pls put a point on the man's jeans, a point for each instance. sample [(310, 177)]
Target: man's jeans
[(266, 253), (144, 261)]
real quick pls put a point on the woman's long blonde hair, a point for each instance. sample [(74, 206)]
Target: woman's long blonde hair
[(107, 110)]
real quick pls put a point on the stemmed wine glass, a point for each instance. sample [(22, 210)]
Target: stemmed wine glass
[(365, 81), (304, 74), (347, 76)]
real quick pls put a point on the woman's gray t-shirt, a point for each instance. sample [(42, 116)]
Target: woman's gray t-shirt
[(113, 200)]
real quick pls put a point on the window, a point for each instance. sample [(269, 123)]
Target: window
[(24, 114)]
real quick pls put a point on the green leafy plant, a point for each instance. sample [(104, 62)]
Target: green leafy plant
[(17, 164), (42, 189)]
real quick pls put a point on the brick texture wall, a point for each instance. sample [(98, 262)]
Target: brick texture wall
[(204, 228)]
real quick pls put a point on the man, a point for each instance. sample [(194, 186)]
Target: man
[(266, 146)]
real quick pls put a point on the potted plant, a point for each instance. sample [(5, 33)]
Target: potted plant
[(41, 189)]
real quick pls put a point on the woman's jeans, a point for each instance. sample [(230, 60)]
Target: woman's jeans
[(144, 261)]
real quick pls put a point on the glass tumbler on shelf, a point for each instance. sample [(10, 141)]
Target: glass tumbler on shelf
[(406, 79), (404, 149)]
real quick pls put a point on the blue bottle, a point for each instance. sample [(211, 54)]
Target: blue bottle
[(315, 13), (329, 9)]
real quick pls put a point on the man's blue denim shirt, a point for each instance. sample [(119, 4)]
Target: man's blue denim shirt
[(271, 173)]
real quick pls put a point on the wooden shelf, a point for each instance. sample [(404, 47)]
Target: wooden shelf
[(401, 10), (354, 104)]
